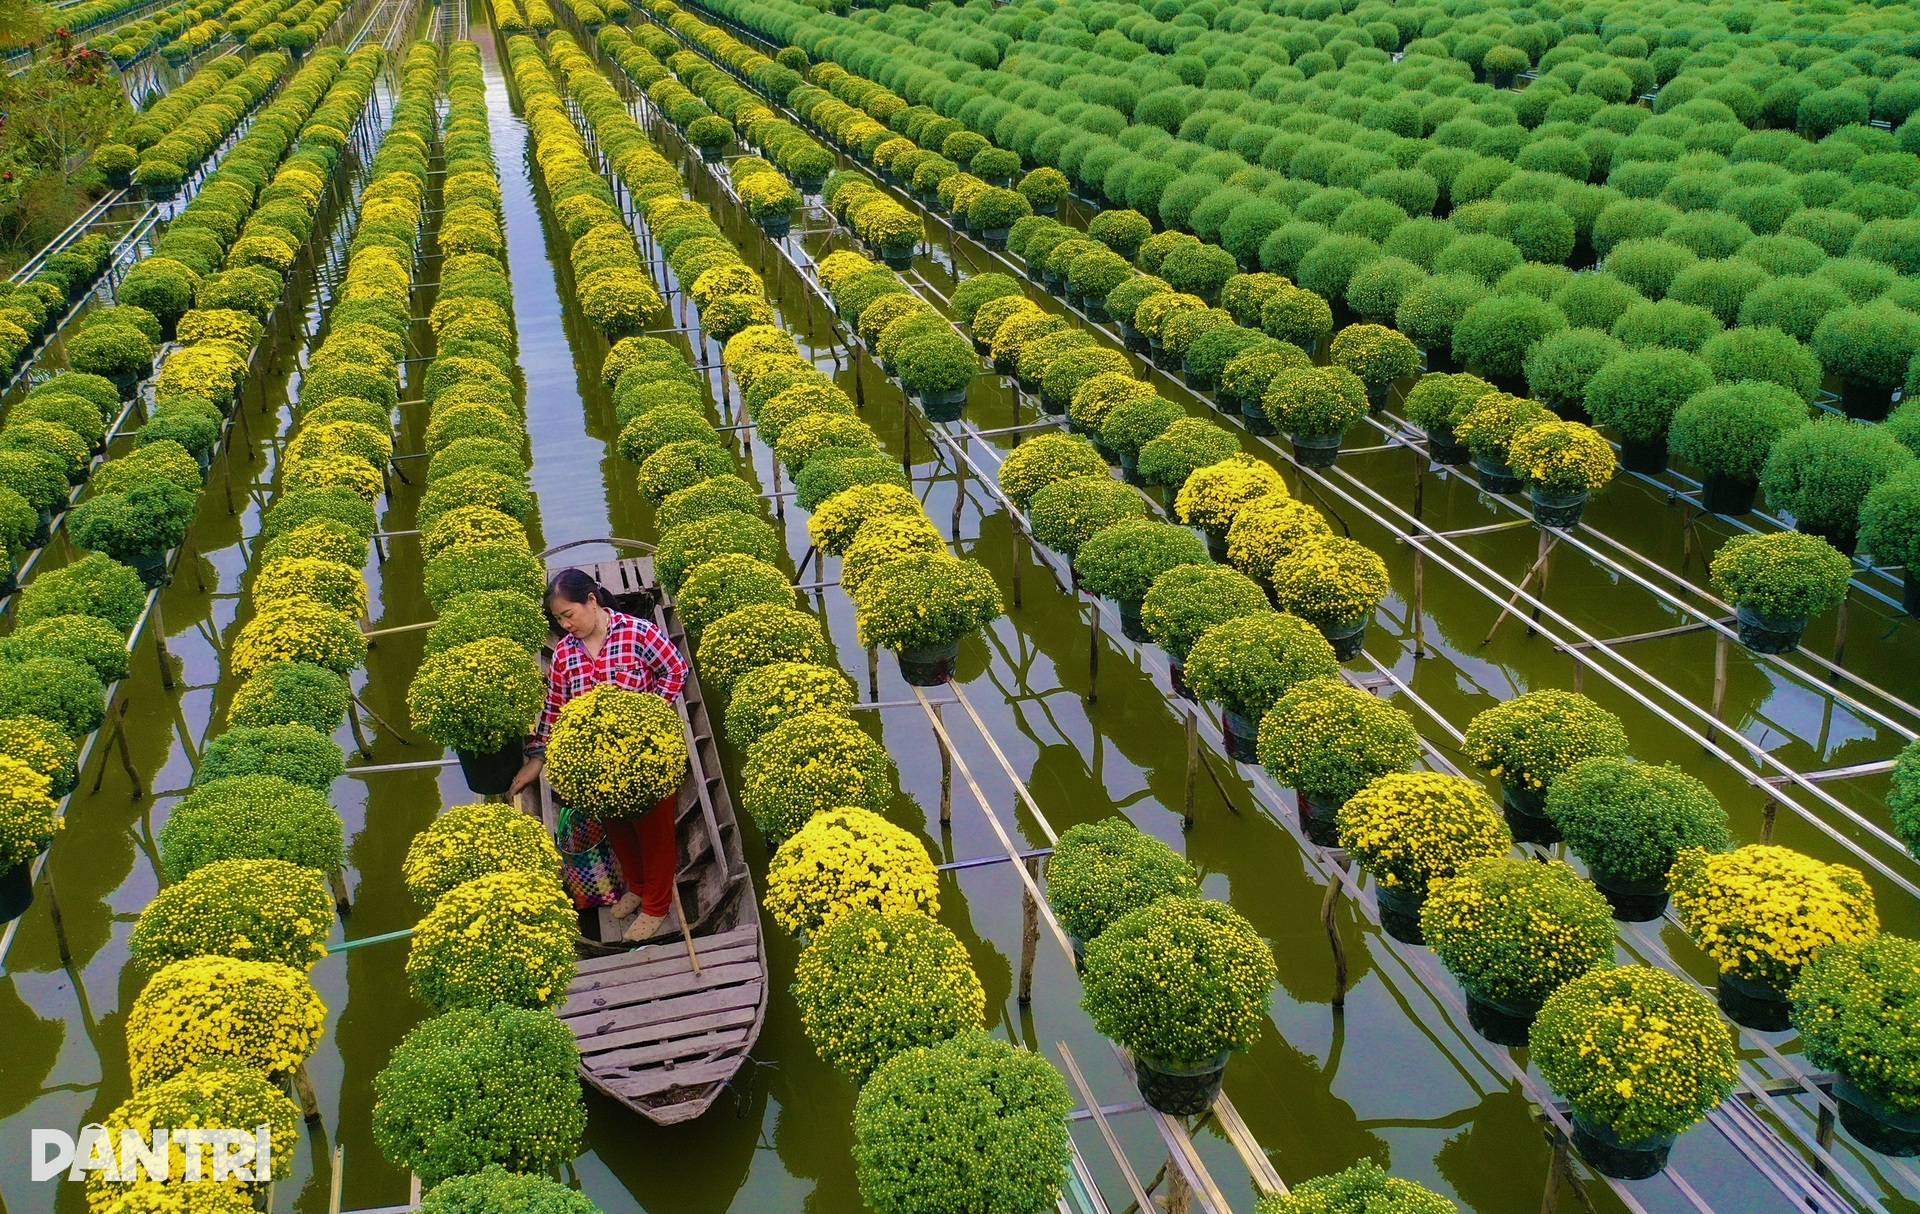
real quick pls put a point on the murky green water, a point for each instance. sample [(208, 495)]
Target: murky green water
[(1394, 1077)]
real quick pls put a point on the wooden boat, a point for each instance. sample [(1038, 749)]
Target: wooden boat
[(664, 1027)]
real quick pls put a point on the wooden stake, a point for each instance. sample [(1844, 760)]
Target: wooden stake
[(1823, 1136), (873, 672), (1019, 559), (959, 492), (338, 880), (946, 767), (336, 1178), (59, 920), (1721, 650), (1328, 907), (309, 1103), (1547, 540), (160, 647), (1767, 814), (1419, 603), (1556, 1170), (1840, 635), (1193, 764), (1029, 931), (359, 735), (1093, 657)]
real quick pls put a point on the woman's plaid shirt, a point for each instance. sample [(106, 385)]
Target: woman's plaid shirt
[(636, 656)]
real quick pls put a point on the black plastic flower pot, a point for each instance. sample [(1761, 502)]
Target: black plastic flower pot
[(1226, 402), (1052, 407), (1571, 411), (1096, 309), (929, 667), (1910, 593), (1045, 208), (16, 891), (809, 185), (1347, 639), (1131, 626), (1502, 1022), (1133, 338), (9, 581), (1400, 914), (42, 531), (1377, 395), (994, 238), (944, 406), (1846, 539), (1754, 1005), (1558, 509), (1648, 457), (1320, 819), (1865, 402), (1634, 900), (1242, 733), (1607, 1154), (1256, 417), (1179, 1091), (1874, 1124), (1216, 547), (1315, 450), (1177, 674), (1196, 380), (152, 568), (1526, 813), (128, 385), (490, 773), (897, 259), (1496, 477), (1768, 633), (712, 155), (776, 226), (1130, 470), (1724, 495)]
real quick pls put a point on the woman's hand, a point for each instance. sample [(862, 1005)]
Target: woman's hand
[(529, 773)]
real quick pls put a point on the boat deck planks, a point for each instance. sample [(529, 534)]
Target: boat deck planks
[(653, 1033)]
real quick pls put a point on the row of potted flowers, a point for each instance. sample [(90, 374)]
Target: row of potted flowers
[(1563, 462), (119, 343), (849, 866), (480, 688), (1814, 872), (71, 642), (1319, 731), (494, 952), (35, 308), (228, 1016), (813, 779)]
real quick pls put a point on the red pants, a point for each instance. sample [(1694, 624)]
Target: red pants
[(646, 851)]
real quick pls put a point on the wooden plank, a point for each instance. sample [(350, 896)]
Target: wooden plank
[(608, 980), (646, 954), (664, 1010), (705, 1045), (652, 1083), (607, 1044), (655, 989)]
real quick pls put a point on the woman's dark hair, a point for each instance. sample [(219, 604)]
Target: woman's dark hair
[(575, 586)]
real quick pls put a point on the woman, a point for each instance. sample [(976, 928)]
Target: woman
[(598, 646)]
